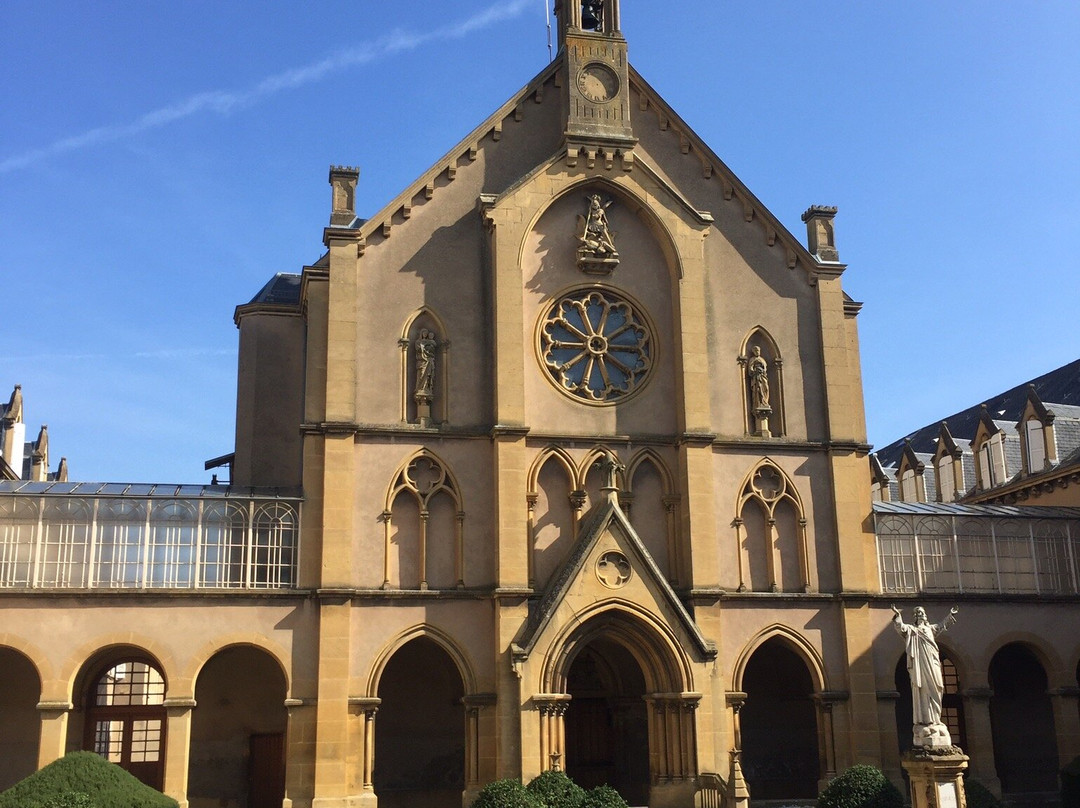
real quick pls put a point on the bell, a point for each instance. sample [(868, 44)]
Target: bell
[(592, 15)]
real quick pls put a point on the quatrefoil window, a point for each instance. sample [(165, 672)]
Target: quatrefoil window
[(596, 346)]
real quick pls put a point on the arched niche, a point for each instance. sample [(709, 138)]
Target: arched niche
[(761, 378), (425, 369), (553, 515), (650, 502)]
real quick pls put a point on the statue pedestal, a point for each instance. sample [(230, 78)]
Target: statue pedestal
[(761, 414), (423, 410), (936, 777)]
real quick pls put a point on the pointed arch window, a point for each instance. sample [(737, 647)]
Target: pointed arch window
[(771, 533), (423, 527)]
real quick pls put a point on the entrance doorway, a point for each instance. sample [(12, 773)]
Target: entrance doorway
[(607, 724)]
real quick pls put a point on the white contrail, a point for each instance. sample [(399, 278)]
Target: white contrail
[(224, 101)]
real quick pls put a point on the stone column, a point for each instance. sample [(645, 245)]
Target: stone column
[(980, 737), (177, 748), (54, 723), (475, 774), (552, 709), (299, 752), (1066, 722)]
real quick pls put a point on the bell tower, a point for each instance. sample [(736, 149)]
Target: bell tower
[(593, 51)]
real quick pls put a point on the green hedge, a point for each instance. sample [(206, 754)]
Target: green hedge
[(860, 787), (550, 789), (556, 790), (505, 794), (83, 780)]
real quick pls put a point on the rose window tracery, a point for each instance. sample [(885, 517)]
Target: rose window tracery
[(596, 345)]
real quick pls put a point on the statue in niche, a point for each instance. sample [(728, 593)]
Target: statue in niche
[(758, 371), (597, 252), (425, 346), (425, 363), (592, 15), (924, 668)]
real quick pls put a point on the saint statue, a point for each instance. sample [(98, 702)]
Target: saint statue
[(595, 237), (758, 371), (924, 668), (425, 364)]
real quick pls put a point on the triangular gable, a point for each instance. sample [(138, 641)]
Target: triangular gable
[(946, 444), (733, 187), (1034, 408), (608, 524)]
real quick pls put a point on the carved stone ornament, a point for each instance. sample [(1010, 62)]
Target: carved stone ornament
[(596, 346), (613, 569), (596, 254)]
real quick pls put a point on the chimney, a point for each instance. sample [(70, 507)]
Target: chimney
[(343, 182), (820, 238), (13, 431), (39, 458)]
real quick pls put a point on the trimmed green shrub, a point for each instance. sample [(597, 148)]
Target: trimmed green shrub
[(1070, 784), (860, 787), (556, 790), (70, 799), (83, 774), (979, 796), (604, 797), (507, 793)]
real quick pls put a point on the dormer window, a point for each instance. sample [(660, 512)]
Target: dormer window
[(909, 490), (1035, 446), (946, 478), (991, 462)]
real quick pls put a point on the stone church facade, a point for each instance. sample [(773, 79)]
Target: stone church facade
[(557, 461)]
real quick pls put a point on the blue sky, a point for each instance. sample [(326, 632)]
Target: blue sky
[(159, 162)]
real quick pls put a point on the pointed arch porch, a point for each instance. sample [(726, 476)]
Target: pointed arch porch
[(619, 635)]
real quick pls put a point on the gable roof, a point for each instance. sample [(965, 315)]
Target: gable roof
[(399, 209), (594, 526)]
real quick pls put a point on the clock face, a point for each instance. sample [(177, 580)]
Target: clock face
[(598, 83)]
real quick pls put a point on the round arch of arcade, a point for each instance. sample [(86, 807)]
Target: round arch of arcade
[(617, 703)]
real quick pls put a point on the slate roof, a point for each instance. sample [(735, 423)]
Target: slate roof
[(282, 289), (1061, 386)]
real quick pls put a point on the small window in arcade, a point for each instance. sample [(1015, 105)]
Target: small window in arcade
[(126, 719)]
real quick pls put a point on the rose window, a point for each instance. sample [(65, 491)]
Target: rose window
[(596, 346)]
